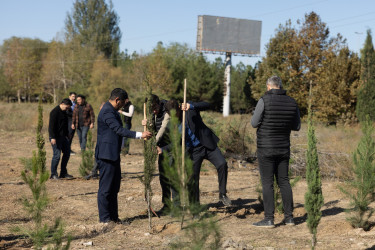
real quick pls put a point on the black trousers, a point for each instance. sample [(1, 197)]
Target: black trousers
[(168, 191), (197, 155), (275, 162), (109, 186), (71, 131)]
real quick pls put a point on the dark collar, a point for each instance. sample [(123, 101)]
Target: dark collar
[(276, 92)]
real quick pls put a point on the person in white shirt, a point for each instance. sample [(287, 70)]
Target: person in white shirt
[(126, 116)]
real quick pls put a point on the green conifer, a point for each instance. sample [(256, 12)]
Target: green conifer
[(87, 156), (35, 175), (313, 197), (150, 155), (361, 189)]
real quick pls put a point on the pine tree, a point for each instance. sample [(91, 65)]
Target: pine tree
[(178, 175), (87, 156), (366, 94), (313, 197), (361, 189), (149, 155), (36, 176), (94, 23)]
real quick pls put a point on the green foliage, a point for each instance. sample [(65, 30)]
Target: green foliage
[(181, 170), (313, 196), (150, 155), (241, 100), (94, 23), (361, 189), (366, 94), (36, 176), (201, 234), (87, 156)]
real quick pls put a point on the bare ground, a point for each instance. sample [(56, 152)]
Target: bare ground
[(75, 201)]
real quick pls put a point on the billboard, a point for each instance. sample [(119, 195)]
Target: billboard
[(223, 34)]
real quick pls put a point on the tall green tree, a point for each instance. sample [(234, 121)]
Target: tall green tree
[(203, 84), (366, 94), (241, 99), (94, 23), (313, 196)]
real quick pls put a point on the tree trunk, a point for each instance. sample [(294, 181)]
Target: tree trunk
[(149, 208)]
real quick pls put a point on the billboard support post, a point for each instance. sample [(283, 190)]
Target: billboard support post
[(226, 99)]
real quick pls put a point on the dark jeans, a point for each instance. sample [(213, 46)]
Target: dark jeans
[(82, 135), (62, 145), (125, 140), (198, 154), (109, 186), (168, 191), (71, 131), (275, 162)]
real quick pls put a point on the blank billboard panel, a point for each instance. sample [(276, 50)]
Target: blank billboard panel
[(223, 34)]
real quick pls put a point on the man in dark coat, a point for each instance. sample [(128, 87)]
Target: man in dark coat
[(275, 115), (107, 154), (58, 136), (201, 143)]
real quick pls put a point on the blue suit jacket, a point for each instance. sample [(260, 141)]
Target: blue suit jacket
[(194, 120), (110, 133)]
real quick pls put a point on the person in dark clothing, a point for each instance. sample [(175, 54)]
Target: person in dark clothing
[(160, 120), (127, 114), (201, 143), (275, 115), (58, 136), (107, 154), (72, 97), (83, 120)]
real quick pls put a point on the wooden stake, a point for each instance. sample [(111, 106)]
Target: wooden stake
[(144, 117), (183, 159)]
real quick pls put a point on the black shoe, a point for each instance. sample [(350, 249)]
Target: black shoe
[(54, 177), (66, 176), (95, 176), (72, 152), (264, 223), (289, 222), (225, 200)]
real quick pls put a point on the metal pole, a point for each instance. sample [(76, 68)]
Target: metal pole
[(226, 101)]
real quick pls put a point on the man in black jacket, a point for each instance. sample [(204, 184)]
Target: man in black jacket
[(58, 136), (275, 115), (201, 143), (72, 97)]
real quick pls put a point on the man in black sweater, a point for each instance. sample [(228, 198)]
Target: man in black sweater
[(275, 115), (59, 138)]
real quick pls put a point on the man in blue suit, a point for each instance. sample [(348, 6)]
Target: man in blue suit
[(107, 154)]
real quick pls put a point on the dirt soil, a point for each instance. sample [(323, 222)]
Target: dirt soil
[(75, 201)]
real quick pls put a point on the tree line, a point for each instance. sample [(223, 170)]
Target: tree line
[(86, 59)]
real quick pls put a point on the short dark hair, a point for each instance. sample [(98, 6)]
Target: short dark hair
[(155, 101), (174, 104), (118, 93), (72, 93), (67, 101), (82, 96)]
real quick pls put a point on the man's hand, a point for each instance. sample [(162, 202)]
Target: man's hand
[(146, 134), (53, 141), (92, 125), (73, 127), (159, 150), (185, 106)]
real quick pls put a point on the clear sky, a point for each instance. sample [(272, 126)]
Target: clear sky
[(143, 23)]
